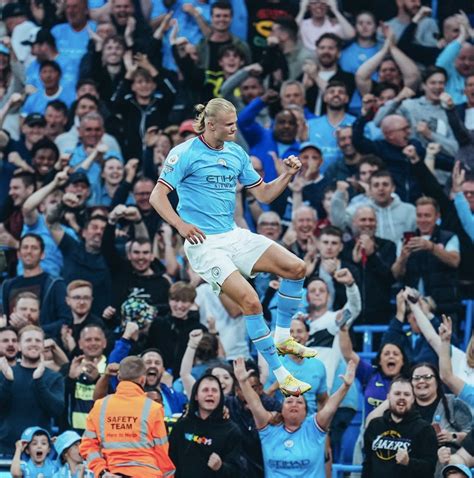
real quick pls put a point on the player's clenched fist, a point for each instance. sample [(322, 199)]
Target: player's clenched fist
[(192, 233), (293, 164)]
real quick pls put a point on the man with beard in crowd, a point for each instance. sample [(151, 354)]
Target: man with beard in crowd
[(8, 345), (399, 442), (139, 271), (348, 165), (317, 77), (31, 393), (322, 130), (427, 31), (50, 290), (173, 402)]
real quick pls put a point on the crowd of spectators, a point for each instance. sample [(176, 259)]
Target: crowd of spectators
[(376, 99)]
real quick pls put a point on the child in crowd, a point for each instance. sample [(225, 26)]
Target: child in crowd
[(71, 464), (31, 459)]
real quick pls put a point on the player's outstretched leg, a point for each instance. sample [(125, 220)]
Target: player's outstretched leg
[(260, 335), (288, 300), (240, 291)]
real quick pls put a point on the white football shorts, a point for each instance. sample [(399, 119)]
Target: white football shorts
[(221, 254)]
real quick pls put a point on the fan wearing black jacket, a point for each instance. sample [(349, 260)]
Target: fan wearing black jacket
[(170, 334), (204, 444), (400, 443)]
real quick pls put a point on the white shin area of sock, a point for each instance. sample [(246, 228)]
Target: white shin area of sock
[(281, 373), (281, 334)]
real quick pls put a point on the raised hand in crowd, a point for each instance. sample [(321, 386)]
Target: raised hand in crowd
[(423, 12), (344, 276), (458, 177), (17, 321), (131, 331), (109, 313), (131, 168), (330, 265), (364, 246), (401, 306), (75, 369), (67, 339)]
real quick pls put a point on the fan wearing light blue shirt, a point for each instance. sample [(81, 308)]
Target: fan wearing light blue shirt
[(205, 172), (363, 48), (73, 37), (310, 371), (50, 75), (294, 448), (322, 130)]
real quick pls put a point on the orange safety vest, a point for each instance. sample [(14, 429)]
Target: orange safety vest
[(125, 433)]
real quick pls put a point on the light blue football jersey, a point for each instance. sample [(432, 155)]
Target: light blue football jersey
[(206, 180), (298, 454)]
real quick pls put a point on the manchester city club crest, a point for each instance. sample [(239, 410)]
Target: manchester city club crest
[(216, 272)]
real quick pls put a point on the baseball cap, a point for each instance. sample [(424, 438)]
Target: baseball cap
[(29, 432), (40, 35), (309, 144), (35, 119), (462, 468), (13, 10), (187, 127), (78, 177), (66, 440)]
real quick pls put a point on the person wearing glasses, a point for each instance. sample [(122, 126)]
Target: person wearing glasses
[(451, 417)]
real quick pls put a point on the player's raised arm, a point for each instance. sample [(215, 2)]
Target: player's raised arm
[(160, 202), (268, 192)]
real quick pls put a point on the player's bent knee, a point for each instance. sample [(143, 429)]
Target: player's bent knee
[(298, 270), (250, 305)]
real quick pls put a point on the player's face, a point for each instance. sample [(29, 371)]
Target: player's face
[(224, 126)]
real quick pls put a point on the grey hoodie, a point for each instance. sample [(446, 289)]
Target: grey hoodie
[(421, 109), (392, 221)]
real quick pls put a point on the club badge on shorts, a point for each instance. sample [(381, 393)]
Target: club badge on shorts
[(216, 272)]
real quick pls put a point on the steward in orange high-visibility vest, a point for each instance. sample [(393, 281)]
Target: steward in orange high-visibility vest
[(125, 432)]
